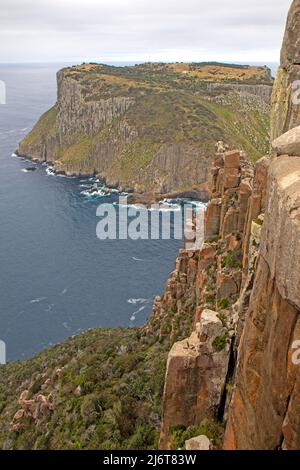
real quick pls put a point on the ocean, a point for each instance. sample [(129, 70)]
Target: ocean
[(57, 279)]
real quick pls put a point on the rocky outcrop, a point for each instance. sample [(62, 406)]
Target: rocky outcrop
[(196, 375), (288, 143), (36, 408), (264, 410), (208, 282), (262, 395), (257, 215)]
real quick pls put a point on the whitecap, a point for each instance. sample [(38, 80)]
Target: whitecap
[(38, 300), (133, 316), (49, 308), (138, 301), (50, 171), (98, 193), (63, 292), (137, 259)]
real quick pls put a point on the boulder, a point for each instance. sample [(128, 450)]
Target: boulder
[(288, 143), (198, 443), (232, 159)]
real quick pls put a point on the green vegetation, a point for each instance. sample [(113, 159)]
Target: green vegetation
[(223, 303), (46, 126), (120, 374), (106, 386), (219, 343), (232, 259), (137, 155), (212, 429), (168, 105)]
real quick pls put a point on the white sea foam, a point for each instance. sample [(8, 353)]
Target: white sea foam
[(49, 308), (133, 316), (14, 131), (50, 171), (98, 193), (138, 301), (38, 300)]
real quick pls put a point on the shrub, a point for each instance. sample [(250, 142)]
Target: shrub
[(223, 303), (219, 343)]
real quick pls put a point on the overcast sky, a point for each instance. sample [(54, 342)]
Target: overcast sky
[(142, 30)]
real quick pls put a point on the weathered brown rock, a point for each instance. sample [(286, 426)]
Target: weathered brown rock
[(212, 218), (195, 377), (288, 143), (264, 398), (286, 111), (262, 389), (232, 159), (290, 52), (230, 223), (281, 230)]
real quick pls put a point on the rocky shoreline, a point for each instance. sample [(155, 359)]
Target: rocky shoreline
[(200, 193)]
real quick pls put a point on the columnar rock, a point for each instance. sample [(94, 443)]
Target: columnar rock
[(203, 281), (264, 398), (195, 377), (285, 98), (264, 410)]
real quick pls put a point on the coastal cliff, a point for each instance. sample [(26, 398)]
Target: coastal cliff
[(216, 366), (151, 127)]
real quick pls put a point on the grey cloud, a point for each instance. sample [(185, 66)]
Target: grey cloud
[(53, 30)]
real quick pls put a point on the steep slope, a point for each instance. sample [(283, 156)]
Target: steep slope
[(152, 127)]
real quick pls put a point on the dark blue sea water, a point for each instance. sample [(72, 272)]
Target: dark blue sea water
[(57, 278)]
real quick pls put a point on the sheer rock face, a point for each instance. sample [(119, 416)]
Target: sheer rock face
[(260, 414), (285, 98), (290, 52), (210, 280), (264, 410)]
